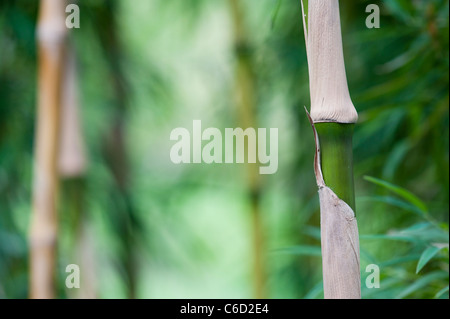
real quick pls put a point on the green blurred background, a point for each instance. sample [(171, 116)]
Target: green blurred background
[(153, 229)]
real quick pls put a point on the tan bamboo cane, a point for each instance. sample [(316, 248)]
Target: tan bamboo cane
[(51, 35)]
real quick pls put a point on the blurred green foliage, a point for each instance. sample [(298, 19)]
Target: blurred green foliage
[(190, 227)]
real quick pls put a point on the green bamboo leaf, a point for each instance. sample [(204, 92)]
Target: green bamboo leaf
[(312, 231), (385, 291), (275, 14), (396, 158), (426, 232), (402, 9), (418, 228), (396, 236), (367, 256), (393, 202), (316, 292), (427, 255), (405, 194), (422, 282), (441, 292), (400, 260)]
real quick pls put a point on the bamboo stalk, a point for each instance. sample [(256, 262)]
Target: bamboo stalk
[(332, 118), (246, 107), (43, 232), (125, 220), (72, 170)]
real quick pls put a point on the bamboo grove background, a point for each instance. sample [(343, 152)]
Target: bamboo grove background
[(140, 226)]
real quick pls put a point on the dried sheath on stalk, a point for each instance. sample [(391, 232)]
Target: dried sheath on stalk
[(72, 158), (332, 118)]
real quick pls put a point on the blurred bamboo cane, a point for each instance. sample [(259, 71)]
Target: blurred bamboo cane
[(332, 118), (72, 169), (123, 215), (246, 107), (51, 36)]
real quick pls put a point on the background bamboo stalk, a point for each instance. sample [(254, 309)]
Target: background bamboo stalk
[(72, 169), (125, 221), (246, 106), (43, 233)]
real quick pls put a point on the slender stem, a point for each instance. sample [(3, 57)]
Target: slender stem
[(337, 159), (124, 218), (44, 219), (245, 91)]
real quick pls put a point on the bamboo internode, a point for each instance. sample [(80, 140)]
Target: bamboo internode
[(330, 97)]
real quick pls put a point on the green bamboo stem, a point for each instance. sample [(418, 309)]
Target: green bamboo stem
[(337, 159)]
